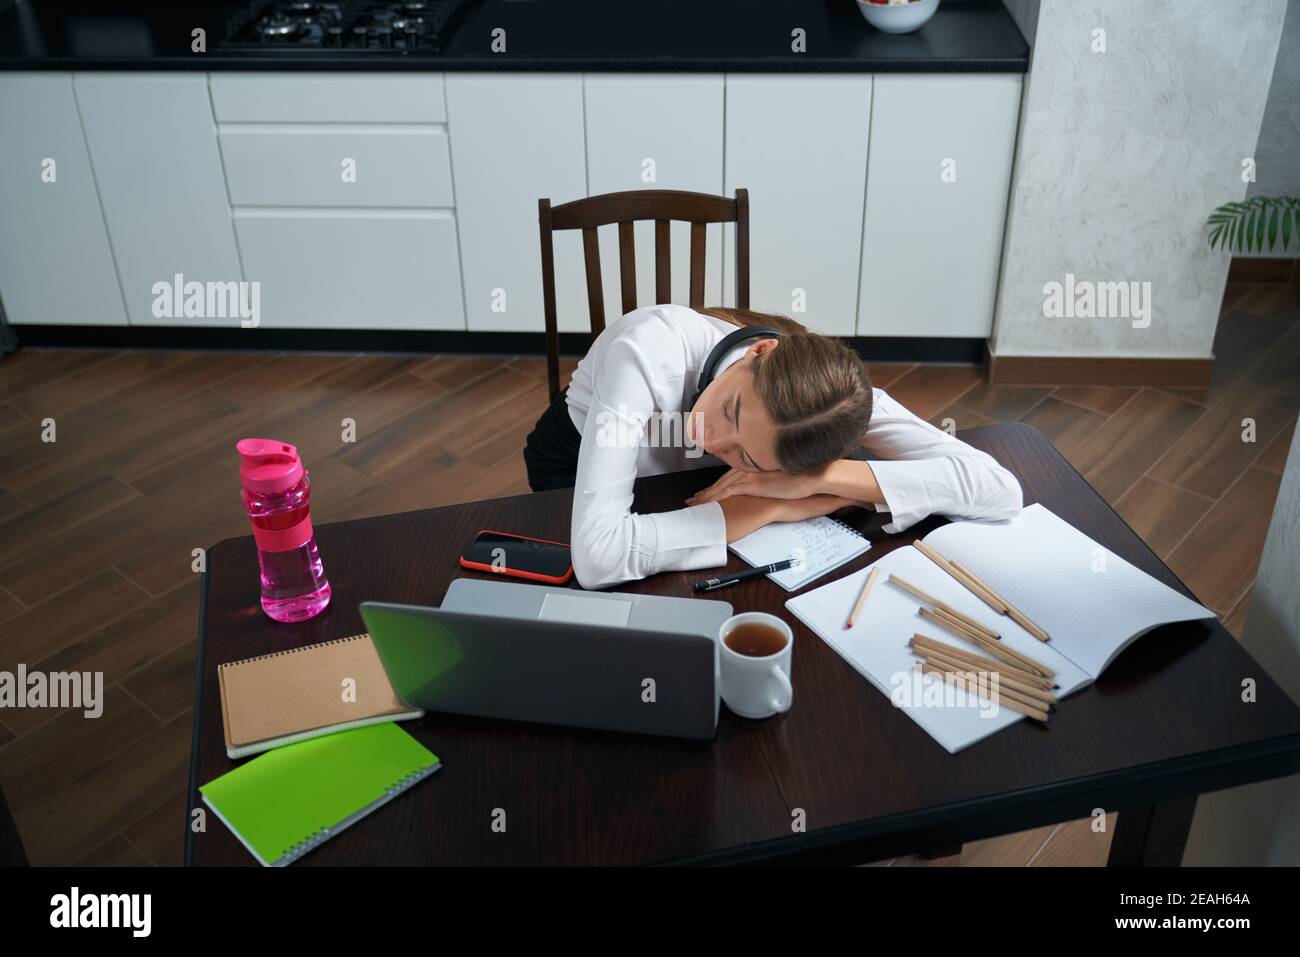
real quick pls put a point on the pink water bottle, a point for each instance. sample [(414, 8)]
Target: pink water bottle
[(277, 497)]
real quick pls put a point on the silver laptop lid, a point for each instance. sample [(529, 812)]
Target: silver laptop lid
[(551, 672)]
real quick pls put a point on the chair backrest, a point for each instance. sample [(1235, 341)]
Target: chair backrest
[(661, 205)]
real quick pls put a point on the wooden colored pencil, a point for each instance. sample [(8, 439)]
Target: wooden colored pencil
[(998, 649), (954, 624), (1014, 689), (1041, 696), (862, 596), (925, 643), (952, 677), (971, 585), (1013, 612), (926, 597)]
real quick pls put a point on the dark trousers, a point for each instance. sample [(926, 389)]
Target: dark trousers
[(551, 450)]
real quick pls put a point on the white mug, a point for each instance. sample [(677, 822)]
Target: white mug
[(756, 687)]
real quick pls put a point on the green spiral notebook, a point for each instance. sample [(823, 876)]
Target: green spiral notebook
[(289, 800)]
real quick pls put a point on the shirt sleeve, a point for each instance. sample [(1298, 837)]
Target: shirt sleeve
[(610, 543), (927, 471)]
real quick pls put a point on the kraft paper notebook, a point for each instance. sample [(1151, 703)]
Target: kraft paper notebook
[(285, 802), (1090, 601), (289, 696)]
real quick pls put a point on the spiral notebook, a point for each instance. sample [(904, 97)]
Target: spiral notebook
[(289, 696), (822, 544), (285, 802)]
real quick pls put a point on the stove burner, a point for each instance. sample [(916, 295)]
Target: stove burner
[(393, 25), (280, 25)]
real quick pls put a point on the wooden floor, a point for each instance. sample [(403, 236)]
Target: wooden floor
[(97, 528)]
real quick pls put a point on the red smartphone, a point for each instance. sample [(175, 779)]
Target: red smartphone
[(536, 559)]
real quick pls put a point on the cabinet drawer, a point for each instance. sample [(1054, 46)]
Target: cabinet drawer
[(337, 166), (327, 98), (353, 270)]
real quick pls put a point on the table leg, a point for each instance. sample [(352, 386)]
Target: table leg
[(938, 853), (1152, 836)]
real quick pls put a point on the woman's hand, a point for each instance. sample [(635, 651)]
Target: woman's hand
[(759, 484)]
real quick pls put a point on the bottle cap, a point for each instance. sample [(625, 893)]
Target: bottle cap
[(268, 465)]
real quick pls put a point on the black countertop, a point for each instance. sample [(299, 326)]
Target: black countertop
[(597, 35)]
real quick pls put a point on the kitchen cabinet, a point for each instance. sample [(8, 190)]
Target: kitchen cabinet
[(261, 97), (876, 202), (153, 144), (799, 143), (343, 198), (353, 269), (56, 266), (669, 127), (337, 165), (937, 182), (516, 138)]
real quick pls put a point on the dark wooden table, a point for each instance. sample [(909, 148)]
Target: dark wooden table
[(1165, 722)]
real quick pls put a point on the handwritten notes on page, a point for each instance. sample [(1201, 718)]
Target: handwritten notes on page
[(822, 544)]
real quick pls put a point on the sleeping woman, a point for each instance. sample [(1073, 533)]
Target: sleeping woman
[(666, 388)]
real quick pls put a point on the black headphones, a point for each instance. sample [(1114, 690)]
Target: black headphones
[(725, 345)]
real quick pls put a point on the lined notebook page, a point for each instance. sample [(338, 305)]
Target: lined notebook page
[(1089, 600), (877, 648), (823, 544)]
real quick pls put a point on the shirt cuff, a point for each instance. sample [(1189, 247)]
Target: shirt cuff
[(689, 538), (904, 493)]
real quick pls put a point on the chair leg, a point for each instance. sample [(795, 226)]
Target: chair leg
[(11, 845)]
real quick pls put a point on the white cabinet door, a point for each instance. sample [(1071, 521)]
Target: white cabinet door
[(55, 261), (940, 168), (353, 269), (655, 131), (514, 139), (153, 144), (798, 143), (300, 164)]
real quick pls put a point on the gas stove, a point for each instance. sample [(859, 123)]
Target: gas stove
[(352, 25)]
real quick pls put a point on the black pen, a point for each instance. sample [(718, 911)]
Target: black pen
[(713, 584)]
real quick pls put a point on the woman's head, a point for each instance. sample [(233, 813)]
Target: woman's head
[(793, 404)]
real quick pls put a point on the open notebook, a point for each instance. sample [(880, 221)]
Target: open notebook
[(822, 545), (1091, 602)]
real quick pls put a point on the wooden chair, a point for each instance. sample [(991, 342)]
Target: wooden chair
[(661, 205)]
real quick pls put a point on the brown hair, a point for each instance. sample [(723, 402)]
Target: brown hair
[(814, 388)]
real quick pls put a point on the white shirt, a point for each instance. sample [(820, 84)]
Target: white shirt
[(629, 399)]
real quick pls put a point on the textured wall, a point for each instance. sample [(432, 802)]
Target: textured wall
[(1121, 157), (1278, 152), (1260, 824)]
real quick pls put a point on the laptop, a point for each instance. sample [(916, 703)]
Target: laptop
[(645, 664)]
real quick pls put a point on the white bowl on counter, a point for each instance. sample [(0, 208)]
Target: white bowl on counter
[(898, 17)]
